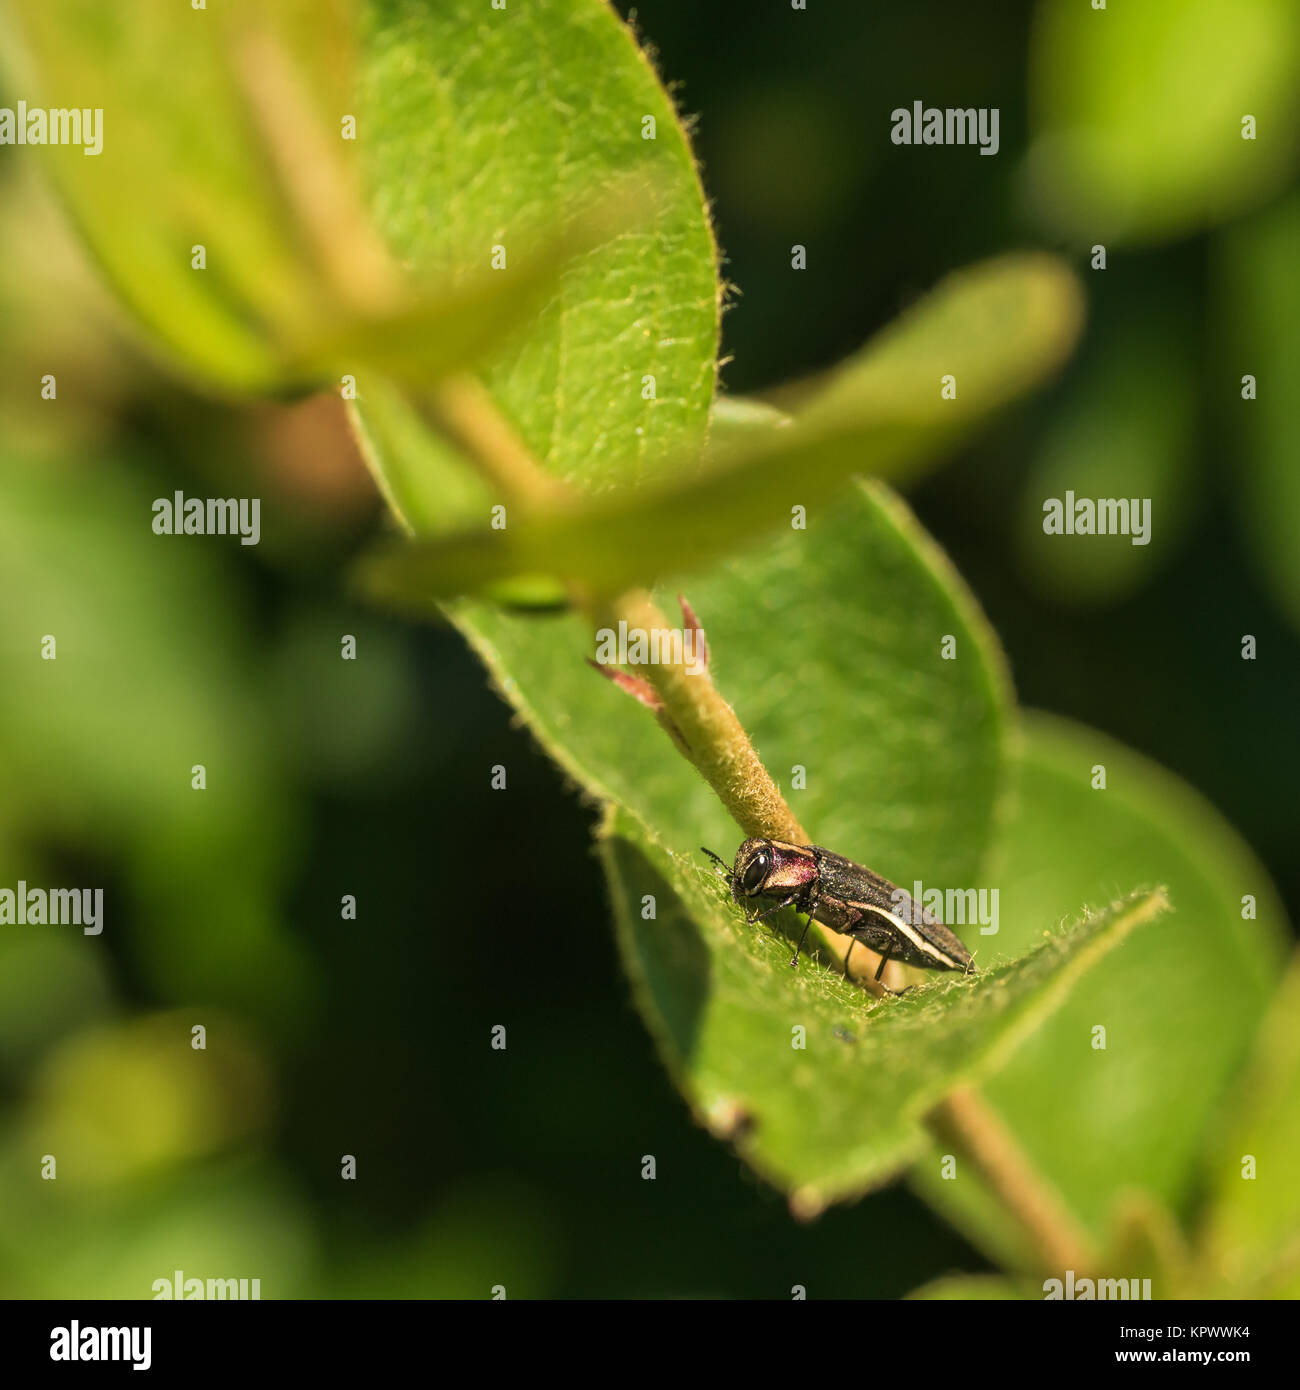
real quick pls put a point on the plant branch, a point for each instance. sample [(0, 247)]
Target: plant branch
[(711, 733), (706, 730), (964, 1120), (464, 411), (315, 182)]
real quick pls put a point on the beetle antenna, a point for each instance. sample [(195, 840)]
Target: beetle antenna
[(724, 872), (721, 863)]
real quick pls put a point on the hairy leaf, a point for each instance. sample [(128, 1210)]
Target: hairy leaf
[(822, 1089), (483, 126)]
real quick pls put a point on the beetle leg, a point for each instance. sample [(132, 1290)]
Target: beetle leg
[(795, 959), (758, 916), (880, 970)]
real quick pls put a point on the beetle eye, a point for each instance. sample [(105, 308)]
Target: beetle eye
[(755, 872)]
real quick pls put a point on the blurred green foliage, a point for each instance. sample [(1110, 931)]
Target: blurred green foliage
[(1138, 113), (370, 1037)]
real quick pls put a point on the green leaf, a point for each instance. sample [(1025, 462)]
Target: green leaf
[(995, 329), (1250, 1231), (436, 334), (296, 287), (735, 419), (433, 481), (1179, 1006), (1134, 150), (422, 476), (193, 162), (645, 304), (822, 1089), (460, 161)]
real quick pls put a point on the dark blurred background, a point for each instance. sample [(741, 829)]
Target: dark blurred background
[(370, 1037)]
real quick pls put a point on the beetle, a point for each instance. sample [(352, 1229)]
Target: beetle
[(847, 898)]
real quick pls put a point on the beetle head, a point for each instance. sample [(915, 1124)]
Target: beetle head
[(755, 860)]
